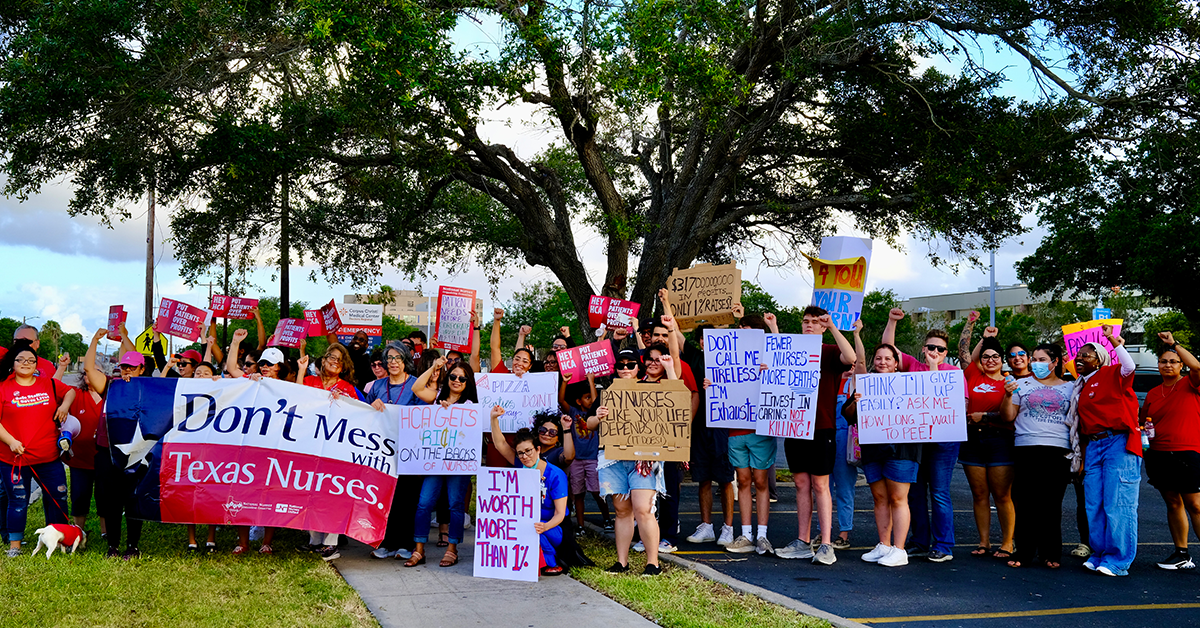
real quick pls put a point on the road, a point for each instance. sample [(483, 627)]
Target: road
[(971, 591)]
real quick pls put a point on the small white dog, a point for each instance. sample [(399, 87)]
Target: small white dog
[(60, 535)]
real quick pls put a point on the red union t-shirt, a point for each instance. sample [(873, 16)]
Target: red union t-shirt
[(1175, 411), (984, 394), (1107, 402), (342, 386), (89, 413), (27, 412), (45, 368)]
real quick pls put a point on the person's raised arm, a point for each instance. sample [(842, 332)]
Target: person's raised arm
[(421, 387), (476, 340), (126, 342), (258, 326), (231, 362), (843, 345), (218, 354), (860, 352), (850, 408), (563, 380), (1009, 406), (521, 333), (96, 380), (664, 296), (1185, 356), (668, 364), (498, 440), (301, 368), (772, 322), (171, 362), (889, 331), (1128, 366), (496, 357), (160, 356), (565, 330), (964, 339), (673, 344), (209, 344), (64, 361), (568, 453)]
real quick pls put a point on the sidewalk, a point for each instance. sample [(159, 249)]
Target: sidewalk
[(432, 597)]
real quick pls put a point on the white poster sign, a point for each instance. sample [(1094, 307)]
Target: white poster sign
[(787, 403), (922, 407)]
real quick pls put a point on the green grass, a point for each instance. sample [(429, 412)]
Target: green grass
[(169, 587), (681, 598)]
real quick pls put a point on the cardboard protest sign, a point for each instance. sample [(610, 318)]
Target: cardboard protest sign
[(453, 328), (647, 421), (612, 313), (289, 332), (1076, 335), (116, 318), (356, 317), (705, 294), (176, 318), (316, 323), (521, 397), (439, 441), (330, 318), (920, 407), (591, 359), (508, 503), (787, 403), (232, 308), (731, 360), (838, 288)]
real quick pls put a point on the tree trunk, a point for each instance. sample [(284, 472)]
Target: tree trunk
[(285, 306)]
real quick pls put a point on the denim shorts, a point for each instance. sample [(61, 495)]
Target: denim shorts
[(621, 476), (904, 471), (752, 450), (987, 450)]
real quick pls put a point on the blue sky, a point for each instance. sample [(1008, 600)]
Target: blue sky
[(72, 269)]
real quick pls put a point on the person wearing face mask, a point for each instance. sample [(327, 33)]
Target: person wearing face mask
[(1172, 412), (1107, 411), (936, 541), (1039, 409), (987, 456)]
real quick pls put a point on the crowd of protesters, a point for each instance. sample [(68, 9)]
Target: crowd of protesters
[(1033, 429)]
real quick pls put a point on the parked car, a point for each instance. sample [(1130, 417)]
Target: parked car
[(1145, 380)]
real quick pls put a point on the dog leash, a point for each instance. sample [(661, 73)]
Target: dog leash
[(16, 477)]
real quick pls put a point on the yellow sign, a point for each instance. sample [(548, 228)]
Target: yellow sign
[(143, 342), (842, 274)]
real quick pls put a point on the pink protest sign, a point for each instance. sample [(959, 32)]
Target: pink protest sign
[(233, 308), (289, 332), (176, 318), (330, 317), (316, 323), (116, 317), (612, 313), (1078, 334), (593, 359)]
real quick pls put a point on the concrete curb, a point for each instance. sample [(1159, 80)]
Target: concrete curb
[(744, 587)]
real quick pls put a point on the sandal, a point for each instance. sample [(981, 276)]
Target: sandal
[(417, 558), (238, 550), (265, 549), (449, 559), (443, 539), (1001, 554), (981, 550)]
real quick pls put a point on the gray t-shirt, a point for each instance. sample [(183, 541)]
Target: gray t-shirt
[(1042, 419)]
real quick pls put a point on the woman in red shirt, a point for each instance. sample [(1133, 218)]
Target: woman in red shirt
[(1173, 461), (1106, 409), (30, 412)]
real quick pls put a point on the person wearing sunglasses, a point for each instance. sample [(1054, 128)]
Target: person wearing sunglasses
[(1172, 412), (1018, 357), (33, 409), (987, 456), (456, 386), (1039, 407), (378, 367), (1106, 410), (936, 541)]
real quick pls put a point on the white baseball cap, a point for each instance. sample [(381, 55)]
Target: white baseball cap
[(272, 355)]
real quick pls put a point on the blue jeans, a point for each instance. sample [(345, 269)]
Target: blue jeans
[(937, 468), (16, 492), (844, 476), (1112, 478), (457, 487)]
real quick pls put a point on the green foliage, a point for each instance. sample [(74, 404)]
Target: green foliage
[(1176, 323), (1013, 327), (395, 329), (546, 308), (877, 304), (8, 326)]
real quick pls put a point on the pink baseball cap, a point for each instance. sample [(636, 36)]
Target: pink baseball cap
[(133, 358)]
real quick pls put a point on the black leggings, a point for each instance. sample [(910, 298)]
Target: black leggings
[(118, 493), (1038, 487)]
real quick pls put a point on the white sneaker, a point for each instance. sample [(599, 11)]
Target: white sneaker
[(639, 547), (741, 545), (726, 536), (703, 534), (467, 522), (665, 547), (874, 555), (896, 557), (382, 552), (795, 549), (763, 546)]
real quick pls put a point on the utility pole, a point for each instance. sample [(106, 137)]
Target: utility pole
[(150, 256), (992, 288), (285, 306), (225, 325)]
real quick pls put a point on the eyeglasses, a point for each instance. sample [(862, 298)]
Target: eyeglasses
[(1170, 362), (558, 347), (395, 358), (526, 452), (1017, 354), (938, 348), (456, 378), (626, 366), (335, 359), (1087, 356), (377, 364), (188, 363), (548, 431), (450, 360), (26, 360), (990, 356)]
